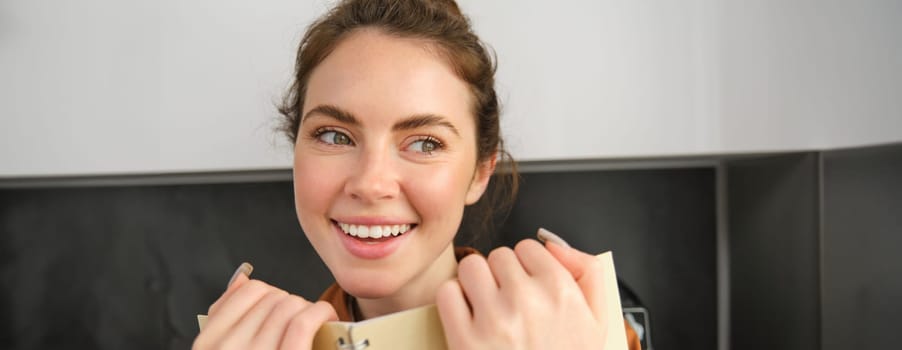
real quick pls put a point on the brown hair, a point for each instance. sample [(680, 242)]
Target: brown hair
[(439, 22)]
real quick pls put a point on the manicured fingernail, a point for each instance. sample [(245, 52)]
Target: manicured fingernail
[(201, 321), (245, 269), (546, 236)]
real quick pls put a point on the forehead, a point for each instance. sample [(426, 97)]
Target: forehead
[(380, 77)]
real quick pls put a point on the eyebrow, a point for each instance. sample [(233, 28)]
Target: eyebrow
[(334, 113), (421, 120), (410, 123)]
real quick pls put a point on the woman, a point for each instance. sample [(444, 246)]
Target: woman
[(395, 124)]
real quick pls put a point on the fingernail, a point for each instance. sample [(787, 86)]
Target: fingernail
[(245, 269), (201, 321), (546, 236)]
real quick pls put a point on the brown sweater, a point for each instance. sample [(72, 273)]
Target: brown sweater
[(340, 301)]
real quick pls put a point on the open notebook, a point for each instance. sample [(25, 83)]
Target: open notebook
[(421, 328)]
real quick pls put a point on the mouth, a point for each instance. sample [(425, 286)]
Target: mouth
[(374, 233), (373, 240)]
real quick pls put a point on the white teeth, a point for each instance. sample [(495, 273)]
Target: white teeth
[(363, 231)]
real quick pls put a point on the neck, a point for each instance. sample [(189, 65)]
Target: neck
[(419, 291)]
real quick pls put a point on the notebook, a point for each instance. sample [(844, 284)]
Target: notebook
[(421, 328)]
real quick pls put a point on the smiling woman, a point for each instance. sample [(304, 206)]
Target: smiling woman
[(394, 119), (385, 175)]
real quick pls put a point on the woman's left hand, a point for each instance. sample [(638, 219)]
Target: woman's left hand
[(526, 298)]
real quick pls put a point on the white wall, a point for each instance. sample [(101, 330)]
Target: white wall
[(626, 78), (602, 78), (822, 74), (111, 87)]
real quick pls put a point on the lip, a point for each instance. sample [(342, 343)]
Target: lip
[(372, 220), (371, 249)]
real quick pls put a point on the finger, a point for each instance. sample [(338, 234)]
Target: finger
[(303, 326), (239, 281), (588, 272), (270, 334), (506, 268), (453, 311), (477, 283), (239, 277), (235, 306), (538, 262), (246, 329)]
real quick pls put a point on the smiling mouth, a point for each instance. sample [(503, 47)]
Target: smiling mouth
[(374, 232)]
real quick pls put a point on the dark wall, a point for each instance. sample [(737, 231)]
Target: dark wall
[(815, 243), (660, 225), (130, 267), (862, 257), (774, 252)]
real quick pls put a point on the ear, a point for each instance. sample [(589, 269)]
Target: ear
[(481, 179)]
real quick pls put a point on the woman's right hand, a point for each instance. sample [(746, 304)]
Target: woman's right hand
[(254, 315)]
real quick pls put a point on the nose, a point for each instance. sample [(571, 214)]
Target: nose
[(374, 177)]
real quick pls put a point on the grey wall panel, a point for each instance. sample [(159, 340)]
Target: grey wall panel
[(862, 264), (773, 227), (660, 224), (130, 267)]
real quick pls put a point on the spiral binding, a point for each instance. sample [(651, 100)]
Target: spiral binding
[(341, 345)]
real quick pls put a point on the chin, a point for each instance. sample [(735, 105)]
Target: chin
[(371, 286)]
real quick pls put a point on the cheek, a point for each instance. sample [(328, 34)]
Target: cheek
[(438, 193), (314, 186)]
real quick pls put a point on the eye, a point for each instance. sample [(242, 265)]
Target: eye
[(425, 145), (333, 137)]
